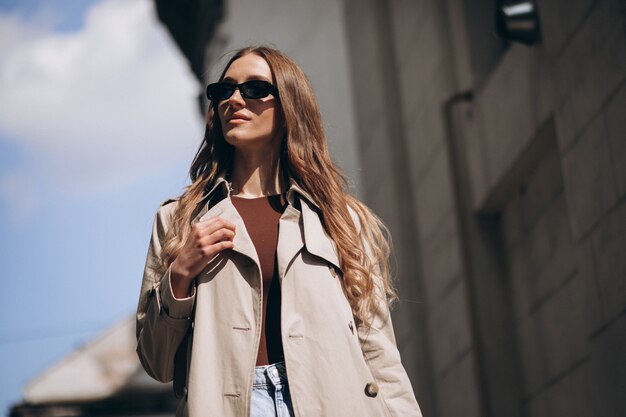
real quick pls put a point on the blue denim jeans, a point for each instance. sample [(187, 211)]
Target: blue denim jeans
[(270, 392)]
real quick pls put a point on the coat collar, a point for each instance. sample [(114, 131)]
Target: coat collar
[(222, 184), (302, 210)]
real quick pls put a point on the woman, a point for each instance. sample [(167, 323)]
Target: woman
[(266, 287)]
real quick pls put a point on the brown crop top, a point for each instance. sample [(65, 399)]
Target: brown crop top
[(261, 216)]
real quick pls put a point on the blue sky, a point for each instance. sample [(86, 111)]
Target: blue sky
[(98, 124)]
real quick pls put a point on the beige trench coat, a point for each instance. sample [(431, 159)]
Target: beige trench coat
[(334, 368)]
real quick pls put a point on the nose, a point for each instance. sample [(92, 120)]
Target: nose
[(236, 98)]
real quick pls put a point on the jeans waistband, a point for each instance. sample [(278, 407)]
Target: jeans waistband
[(272, 374)]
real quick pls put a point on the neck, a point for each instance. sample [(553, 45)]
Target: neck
[(256, 174)]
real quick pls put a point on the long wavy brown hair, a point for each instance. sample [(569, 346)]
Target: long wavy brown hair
[(363, 246)]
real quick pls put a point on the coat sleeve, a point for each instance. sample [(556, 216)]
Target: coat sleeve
[(162, 319), (379, 348), (378, 344)]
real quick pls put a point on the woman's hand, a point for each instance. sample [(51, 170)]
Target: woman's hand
[(207, 239)]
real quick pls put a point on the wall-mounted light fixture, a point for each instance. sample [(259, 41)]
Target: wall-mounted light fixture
[(518, 21)]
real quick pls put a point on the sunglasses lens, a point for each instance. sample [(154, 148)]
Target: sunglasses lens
[(219, 91), (250, 89), (255, 89)]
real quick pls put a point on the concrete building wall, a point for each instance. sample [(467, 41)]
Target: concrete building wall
[(516, 226)]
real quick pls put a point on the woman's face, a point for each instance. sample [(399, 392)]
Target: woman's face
[(250, 123)]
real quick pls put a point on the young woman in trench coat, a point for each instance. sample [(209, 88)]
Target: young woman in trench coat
[(266, 277)]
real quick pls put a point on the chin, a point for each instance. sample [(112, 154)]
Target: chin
[(233, 137), (237, 139), (246, 142)]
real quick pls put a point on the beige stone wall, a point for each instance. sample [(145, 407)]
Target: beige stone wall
[(509, 217)]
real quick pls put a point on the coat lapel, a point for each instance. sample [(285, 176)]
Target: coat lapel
[(226, 210), (220, 186), (290, 238), (298, 228), (316, 239)]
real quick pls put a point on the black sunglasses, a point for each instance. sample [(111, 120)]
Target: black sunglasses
[(250, 89)]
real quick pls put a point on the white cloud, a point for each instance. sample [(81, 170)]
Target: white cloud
[(101, 108)]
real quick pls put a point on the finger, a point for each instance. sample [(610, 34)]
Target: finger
[(208, 251), (216, 219), (203, 229), (205, 237), (222, 234), (220, 246), (213, 224), (217, 236)]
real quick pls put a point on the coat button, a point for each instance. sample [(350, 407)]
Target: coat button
[(371, 389)]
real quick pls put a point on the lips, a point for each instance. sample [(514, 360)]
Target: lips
[(238, 118)]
